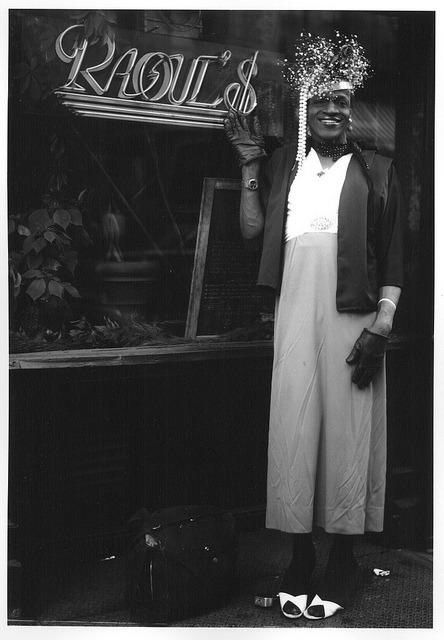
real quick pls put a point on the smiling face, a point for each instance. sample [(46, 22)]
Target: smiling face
[(328, 116)]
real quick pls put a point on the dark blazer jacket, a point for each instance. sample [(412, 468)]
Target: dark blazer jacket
[(369, 245)]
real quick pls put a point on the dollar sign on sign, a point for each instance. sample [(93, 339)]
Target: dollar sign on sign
[(241, 96)]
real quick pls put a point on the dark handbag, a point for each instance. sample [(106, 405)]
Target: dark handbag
[(181, 563)]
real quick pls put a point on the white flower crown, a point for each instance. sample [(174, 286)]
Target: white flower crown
[(320, 62)]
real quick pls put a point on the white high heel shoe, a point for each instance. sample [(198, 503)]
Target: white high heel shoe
[(298, 601), (329, 608)]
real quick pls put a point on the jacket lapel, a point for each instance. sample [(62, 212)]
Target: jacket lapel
[(352, 236)]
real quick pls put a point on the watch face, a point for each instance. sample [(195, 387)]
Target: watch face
[(252, 184)]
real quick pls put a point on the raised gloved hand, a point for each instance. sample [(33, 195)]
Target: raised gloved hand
[(247, 139), (368, 356)]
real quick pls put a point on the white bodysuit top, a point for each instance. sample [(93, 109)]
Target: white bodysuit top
[(313, 200)]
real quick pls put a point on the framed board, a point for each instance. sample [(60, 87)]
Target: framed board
[(223, 293)]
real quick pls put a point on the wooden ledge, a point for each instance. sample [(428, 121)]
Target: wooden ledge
[(158, 354), (201, 349)]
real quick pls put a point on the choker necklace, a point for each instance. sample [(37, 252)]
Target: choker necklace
[(329, 150)]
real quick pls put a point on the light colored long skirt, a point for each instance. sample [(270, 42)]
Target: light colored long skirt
[(327, 440)]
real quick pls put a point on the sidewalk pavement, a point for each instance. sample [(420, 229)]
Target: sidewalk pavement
[(92, 595)]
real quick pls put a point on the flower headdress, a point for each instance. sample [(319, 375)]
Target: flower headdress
[(321, 65)]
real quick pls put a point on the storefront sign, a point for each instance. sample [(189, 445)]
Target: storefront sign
[(153, 86)]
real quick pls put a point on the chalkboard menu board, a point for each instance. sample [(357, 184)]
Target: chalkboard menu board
[(223, 294)]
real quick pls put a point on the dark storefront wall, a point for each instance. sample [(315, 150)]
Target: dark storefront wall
[(106, 439)]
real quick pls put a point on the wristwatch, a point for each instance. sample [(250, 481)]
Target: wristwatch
[(250, 184)]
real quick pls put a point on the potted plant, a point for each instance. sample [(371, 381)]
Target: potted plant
[(121, 283)]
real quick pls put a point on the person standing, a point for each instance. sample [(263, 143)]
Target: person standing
[(327, 215)]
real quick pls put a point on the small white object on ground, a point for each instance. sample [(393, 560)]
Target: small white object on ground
[(381, 572)]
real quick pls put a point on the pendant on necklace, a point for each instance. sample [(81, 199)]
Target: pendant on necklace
[(321, 224)]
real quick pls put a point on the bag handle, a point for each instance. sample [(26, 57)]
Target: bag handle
[(157, 520)]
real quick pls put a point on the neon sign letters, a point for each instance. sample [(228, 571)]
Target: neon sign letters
[(152, 87)]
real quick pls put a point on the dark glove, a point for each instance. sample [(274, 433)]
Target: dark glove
[(246, 139), (368, 356)]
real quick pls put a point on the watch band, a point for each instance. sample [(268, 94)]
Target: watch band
[(251, 184)]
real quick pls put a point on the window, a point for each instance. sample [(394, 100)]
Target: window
[(104, 210)]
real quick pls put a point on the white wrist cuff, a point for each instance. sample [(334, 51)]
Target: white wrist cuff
[(387, 300)]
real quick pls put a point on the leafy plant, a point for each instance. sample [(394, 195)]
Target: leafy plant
[(43, 255), (44, 264), (99, 25), (37, 65)]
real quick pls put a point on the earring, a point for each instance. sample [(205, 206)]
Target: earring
[(308, 131), (350, 126)]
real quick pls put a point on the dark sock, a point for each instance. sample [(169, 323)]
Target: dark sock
[(340, 572), (341, 551), (296, 579)]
